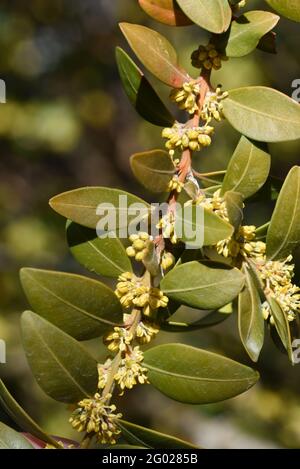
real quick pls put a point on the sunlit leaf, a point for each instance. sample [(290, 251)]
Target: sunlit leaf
[(282, 325), (246, 32), (284, 230), (196, 376), (165, 11), (198, 226), (80, 306), (213, 15), (82, 205), (250, 317), (104, 256), (211, 319), (61, 366), (288, 8), (248, 168), (140, 93), (263, 114), (194, 284), (156, 53)]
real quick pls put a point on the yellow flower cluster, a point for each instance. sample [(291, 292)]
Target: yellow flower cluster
[(213, 107), (175, 185), (130, 371), (215, 204), (181, 137), (95, 415), (132, 293), (139, 248), (167, 260), (277, 278), (208, 57), (186, 97), (242, 243)]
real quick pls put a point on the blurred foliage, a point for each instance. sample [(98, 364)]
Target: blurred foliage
[(68, 124)]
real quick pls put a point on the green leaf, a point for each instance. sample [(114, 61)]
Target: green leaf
[(250, 317), (284, 230), (80, 205), (165, 11), (137, 435), (246, 32), (156, 53), (211, 319), (140, 93), (153, 169), (21, 418), (193, 220), (61, 366), (196, 376), (194, 284), (10, 439), (248, 168), (288, 8), (263, 114), (282, 326), (234, 206), (213, 15), (80, 306), (104, 256)]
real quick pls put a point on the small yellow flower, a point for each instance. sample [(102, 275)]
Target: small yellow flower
[(213, 106), (103, 373), (186, 97), (167, 260), (181, 137), (146, 332), (175, 185), (130, 371), (95, 415), (118, 340)]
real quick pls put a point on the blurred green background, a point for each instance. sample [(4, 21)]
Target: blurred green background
[(67, 124)]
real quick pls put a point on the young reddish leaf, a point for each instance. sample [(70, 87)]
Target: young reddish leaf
[(165, 11)]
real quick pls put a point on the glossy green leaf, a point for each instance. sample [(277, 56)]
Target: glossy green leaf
[(248, 168), (10, 439), (211, 319), (246, 32), (288, 8), (104, 256), (193, 220), (234, 206), (213, 15), (137, 435), (263, 114), (153, 169), (196, 376), (282, 326), (61, 366), (284, 230), (140, 93), (80, 306), (194, 284), (156, 53), (165, 11), (250, 317), (21, 418), (81, 206)]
